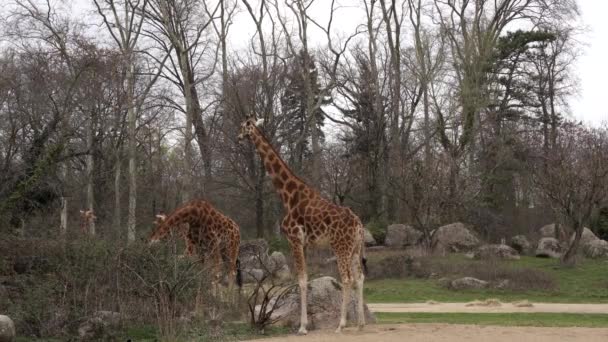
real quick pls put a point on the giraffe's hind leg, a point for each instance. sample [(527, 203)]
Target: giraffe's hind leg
[(344, 268), (300, 265), (358, 277)]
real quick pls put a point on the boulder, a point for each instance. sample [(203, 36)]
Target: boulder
[(468, 283), (586, 237), (549, 231), (7, 329), (324, 300), (252, 275), (276, 261), (596, 249), (401, 235), (253, 248), (102, 325), (548, 247), (369, 238), (252, 253), (495, 252), (453, 237), (521, 244), (277, 264)]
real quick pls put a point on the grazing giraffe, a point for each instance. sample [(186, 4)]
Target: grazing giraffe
[(216, 236), (183, 231), (87, 217), (313, 220)]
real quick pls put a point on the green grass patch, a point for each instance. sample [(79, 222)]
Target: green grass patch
[(587, 283), (501, 319)]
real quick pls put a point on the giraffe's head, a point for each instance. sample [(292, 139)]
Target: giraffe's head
[(158, 232), (248, 127)]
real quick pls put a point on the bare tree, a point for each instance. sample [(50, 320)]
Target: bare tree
[(574, 178), (122, 21), (181, 26)]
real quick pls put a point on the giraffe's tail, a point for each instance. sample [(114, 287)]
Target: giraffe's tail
[(239, 274), (363, 258)]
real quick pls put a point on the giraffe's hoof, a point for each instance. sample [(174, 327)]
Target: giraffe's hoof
[(302, 331), (339, 330), (360, 327)]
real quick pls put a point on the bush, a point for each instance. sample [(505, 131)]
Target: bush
[(278, 244), (60, 285), (377, 227)]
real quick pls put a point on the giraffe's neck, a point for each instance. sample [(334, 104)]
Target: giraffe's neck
[(172, 222), (284, 180)]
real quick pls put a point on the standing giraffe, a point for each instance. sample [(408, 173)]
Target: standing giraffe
[(313, 220), (216, 236)]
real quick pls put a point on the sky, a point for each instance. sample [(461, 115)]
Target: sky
[(592, 68), (589, 105)]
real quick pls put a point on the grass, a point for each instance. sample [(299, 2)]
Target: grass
[(587, 283), (501, 319)]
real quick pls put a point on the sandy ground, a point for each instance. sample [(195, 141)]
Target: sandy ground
[(501, 308), (452, 333)]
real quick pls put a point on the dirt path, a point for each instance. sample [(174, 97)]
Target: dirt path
[(451, 333), (485, 308)]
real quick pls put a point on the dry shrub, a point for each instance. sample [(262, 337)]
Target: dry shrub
[(53, 286)]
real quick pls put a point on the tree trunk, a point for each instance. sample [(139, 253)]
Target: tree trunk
[(63, 225), (132, 126), (569, 258), (117, 206), (187, 162), (90, 166)]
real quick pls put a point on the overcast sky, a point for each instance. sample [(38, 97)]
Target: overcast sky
[(590, 105)]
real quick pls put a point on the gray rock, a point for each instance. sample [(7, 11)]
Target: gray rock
[(252, 253), (495, 252), (252, 275), (369, 238), (521, 244), (102, 325), (596, 249), (548, 247), (453, 237), (324, 301), (549, 231), (253, 248), (276, 261), (586, 238), (7, 329), (401, 235), (468, 283)]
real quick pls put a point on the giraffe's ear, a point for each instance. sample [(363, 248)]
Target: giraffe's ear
[(259, 122)]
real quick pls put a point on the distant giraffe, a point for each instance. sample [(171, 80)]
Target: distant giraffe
[(87, 217), (206, 230), (313, 220)]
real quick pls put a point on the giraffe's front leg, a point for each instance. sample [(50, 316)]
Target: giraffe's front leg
[(300, 265)]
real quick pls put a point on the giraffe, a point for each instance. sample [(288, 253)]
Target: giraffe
[(216, 236), (87, 217), (183, 231), (312, 220)]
